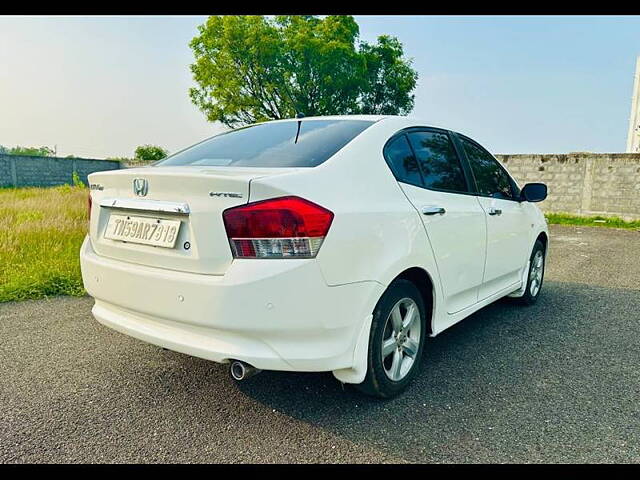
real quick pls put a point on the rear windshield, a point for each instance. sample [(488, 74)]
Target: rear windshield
[(277, 144)]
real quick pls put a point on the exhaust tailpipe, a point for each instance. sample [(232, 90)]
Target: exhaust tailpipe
[(241, 371)]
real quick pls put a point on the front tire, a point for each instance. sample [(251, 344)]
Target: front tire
[(535, 275), (396, 341)]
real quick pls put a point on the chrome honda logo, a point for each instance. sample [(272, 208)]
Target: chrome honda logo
[(140, 186)]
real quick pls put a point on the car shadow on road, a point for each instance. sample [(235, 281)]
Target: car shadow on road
[(507, 367), (464, 349)]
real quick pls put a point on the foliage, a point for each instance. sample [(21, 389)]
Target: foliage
[(389, 78), (77, 182), (596, 221), (252, 68), (28, 151), (150, 153), (41, 230)]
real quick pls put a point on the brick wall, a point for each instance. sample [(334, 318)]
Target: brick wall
[(583, 183), (26, 171)]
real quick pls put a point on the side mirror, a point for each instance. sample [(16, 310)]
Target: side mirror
[(533, 192)]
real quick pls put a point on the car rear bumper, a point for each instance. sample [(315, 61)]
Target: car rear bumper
[(272, 314)]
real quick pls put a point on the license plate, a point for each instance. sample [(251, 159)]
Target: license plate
[(145, 230)]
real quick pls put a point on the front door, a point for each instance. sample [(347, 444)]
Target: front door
[(508, 227)]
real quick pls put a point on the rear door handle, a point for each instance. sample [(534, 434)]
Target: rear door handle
[(433, 210), (494, 211)]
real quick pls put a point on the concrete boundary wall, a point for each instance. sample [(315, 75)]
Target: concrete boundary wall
[(579, 183), (605, 184), (27, 171)]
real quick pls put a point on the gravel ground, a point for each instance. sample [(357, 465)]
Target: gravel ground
[(556, 382)]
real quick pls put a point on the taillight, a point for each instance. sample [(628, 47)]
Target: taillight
[(285, 227), (89, 206)]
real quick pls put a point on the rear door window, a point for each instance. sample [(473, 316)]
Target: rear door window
[(438, 161)]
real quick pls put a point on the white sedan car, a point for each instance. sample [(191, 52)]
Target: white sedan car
[(312, 244)]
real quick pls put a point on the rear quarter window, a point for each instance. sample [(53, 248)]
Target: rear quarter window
[(402, 162)]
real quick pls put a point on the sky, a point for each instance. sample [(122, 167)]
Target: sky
[(99, 86)]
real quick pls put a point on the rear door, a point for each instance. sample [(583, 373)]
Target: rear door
[(431, 175), (508, 226)]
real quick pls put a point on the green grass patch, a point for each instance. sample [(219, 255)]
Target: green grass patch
[(596, 221), (41, 230)]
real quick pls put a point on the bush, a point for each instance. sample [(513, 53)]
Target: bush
[(150, 153), (30, 151), (77, 182)]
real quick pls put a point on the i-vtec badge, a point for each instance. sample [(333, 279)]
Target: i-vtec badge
[(225, 194), (140, 186)]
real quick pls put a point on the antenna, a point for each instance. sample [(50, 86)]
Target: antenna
[(299, 116)]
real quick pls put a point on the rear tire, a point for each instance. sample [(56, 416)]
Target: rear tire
[(396, 341), (535, 276)]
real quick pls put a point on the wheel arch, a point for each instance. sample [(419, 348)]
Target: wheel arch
[(544, 238), (424, 283)]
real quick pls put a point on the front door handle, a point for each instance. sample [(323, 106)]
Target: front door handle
[(433, 210), (495, 211)]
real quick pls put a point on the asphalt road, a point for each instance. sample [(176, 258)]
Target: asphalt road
[(556, 382)]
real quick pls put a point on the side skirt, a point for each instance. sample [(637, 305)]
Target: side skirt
[(453, 319), (523, 280)]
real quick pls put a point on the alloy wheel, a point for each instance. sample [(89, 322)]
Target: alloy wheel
[(535, 274), (401, 339)]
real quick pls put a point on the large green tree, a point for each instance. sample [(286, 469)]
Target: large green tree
[(254, 68)]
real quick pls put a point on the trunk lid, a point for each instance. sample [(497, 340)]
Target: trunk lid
[(195, 196)]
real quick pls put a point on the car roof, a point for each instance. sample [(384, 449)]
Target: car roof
[(409, 121), (371, 118)]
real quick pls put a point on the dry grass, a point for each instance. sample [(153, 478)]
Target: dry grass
[(41, 230)]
